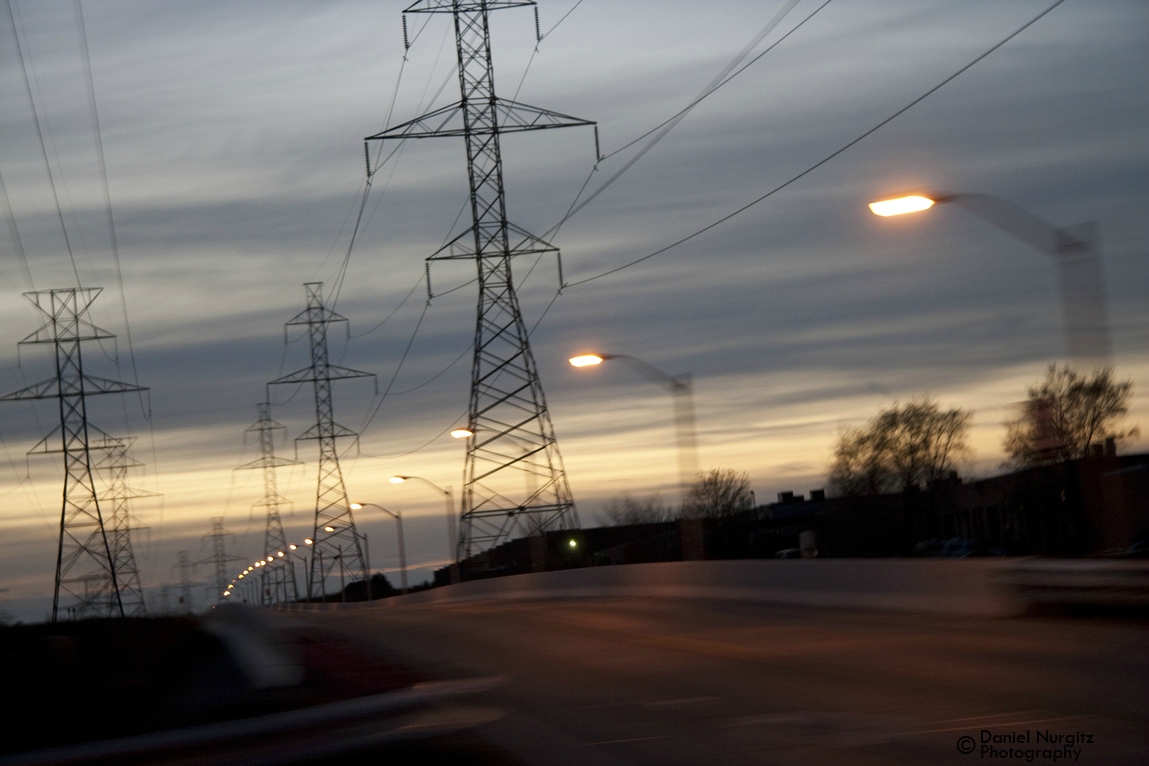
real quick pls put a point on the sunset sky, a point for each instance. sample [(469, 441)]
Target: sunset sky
[(233, 139)]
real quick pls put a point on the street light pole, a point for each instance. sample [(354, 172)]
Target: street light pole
[(681, 388), (399, 535), (367, 561), (452, 533), (1072, 248)]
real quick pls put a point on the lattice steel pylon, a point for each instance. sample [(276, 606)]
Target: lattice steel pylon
[(220, 558), (274, 539), (514, 480), (85, 564), (336, 542), (116, 463), (186, 567)]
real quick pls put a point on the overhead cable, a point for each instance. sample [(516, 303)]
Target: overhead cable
[(43, 147), (670, 124), (826, 159)]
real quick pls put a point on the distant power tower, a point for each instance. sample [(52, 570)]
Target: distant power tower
[(185, 567), (336, 543), (118, 494), (514, 480), (85, 563), (282, 572), (274, 538), (220, 558)]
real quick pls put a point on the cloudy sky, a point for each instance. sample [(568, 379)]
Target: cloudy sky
[(232, 135)]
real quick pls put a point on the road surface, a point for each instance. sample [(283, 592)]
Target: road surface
[(665, 681)]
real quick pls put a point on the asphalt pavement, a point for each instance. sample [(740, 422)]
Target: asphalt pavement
[(676, 681)]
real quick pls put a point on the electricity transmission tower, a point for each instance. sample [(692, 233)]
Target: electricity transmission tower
[(336, 543), (274, 540), (514, 480), (85, 564), (186, 567), (219, 556), (116, 463)]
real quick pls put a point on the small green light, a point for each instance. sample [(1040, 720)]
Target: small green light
[(573, 543)]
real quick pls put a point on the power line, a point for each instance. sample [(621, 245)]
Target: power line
[(541, 36), (402, 359), (394, 311), (14, 233), (826, 159), (710, 91), (670, 124), (342, 273), (40, 134), (544, 35), (89, 81)]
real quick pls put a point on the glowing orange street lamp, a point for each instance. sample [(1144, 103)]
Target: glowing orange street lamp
[(912, 203), (587, 360)]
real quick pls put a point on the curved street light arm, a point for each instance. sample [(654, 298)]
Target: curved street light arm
[(452, 533), (652, 373), (1072, 248), (1013, 220), (399, 535)]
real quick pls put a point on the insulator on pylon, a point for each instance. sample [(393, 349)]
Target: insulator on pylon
[(538, 33), (562, 282), (406, 44), (427, 267), (597, 147), (367, 157)]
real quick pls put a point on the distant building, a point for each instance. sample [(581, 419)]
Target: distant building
[(1079, 507)]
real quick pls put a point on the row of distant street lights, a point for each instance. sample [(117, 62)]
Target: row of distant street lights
[(1085, 325), (286, 555)]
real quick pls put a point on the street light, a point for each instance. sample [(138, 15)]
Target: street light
[(402, 550), (681, 389), (452, 533), (1072, 248)]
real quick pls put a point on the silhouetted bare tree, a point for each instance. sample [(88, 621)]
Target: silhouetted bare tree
[(717, 493), (627, 510), (903, 446), (1066, 415)]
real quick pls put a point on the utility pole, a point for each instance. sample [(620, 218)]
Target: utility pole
[(334, 535), (85, 565), (514, 480), (116, 463), (274, 539)]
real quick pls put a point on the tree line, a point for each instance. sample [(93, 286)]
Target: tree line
[(1066, 416)]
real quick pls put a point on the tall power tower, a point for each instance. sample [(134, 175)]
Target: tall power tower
[(514, 480), (337, 546), (85, 564), (115, 464), (274, 539)]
